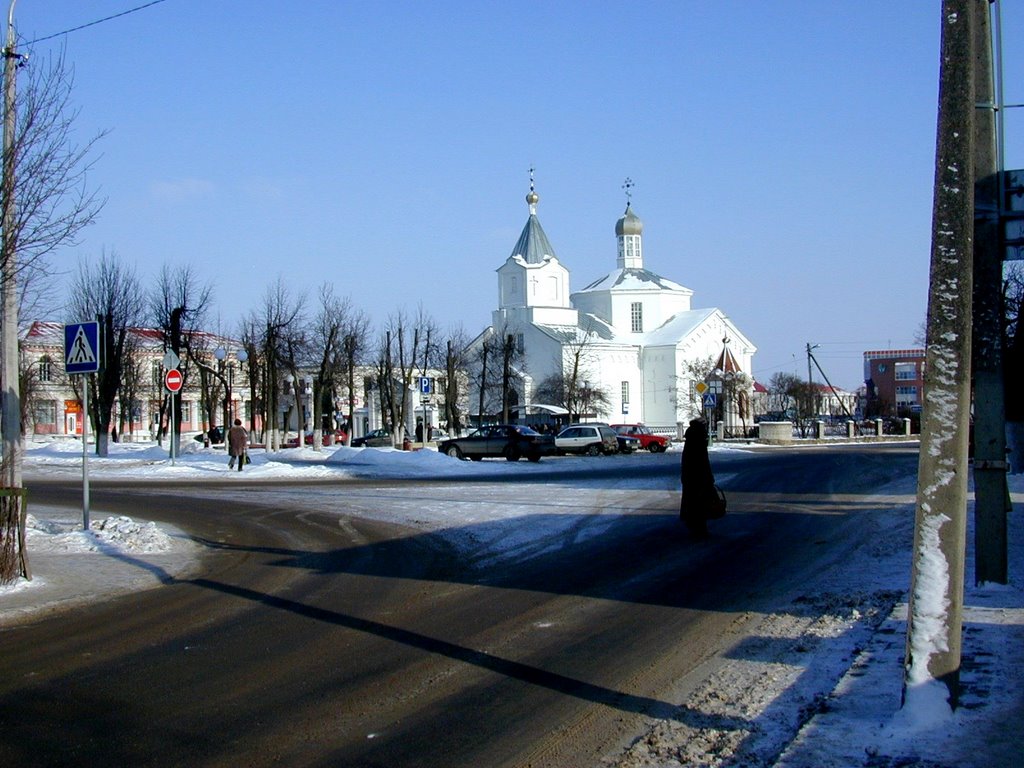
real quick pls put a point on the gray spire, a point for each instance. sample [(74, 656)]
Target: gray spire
[(533, 245)]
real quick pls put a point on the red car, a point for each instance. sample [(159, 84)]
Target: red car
[(337, 438), (648, 440)]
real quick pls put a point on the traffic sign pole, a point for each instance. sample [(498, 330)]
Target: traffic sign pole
[(85, 455)]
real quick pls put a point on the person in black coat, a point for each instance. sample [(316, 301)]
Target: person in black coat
[(697, 478)]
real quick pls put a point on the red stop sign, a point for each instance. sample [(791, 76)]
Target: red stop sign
[(173, 380)]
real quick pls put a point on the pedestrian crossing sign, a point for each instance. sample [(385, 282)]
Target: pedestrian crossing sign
[(82, 347), (710, 400)]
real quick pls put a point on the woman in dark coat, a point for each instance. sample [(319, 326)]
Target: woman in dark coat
[(238, 439), (698, 480)]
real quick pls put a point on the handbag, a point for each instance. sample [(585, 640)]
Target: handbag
[(247, 459), (717, 504)]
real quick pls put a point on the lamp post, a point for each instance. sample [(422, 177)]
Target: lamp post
[(307, 422), (286, 401), (224, 372)]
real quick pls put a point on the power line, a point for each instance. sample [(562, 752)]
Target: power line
[(94, 23)]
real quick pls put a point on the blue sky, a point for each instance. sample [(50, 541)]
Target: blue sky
[(782, 152)]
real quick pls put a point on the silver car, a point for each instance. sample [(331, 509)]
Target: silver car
[(591, 439)]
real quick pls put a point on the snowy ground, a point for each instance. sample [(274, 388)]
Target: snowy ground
[(818, 682)]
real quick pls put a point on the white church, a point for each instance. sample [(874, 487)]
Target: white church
[(641, 336)]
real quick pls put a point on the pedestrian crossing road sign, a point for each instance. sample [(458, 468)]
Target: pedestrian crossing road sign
[(82, 347), (710, 400)]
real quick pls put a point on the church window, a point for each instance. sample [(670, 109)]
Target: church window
[(45, 368), (511, 288), (636, 312), (519, 343)]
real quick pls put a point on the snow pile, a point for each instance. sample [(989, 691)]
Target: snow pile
[(118, 533)]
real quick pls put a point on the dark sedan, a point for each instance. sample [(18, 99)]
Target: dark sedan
[(378, 438), (510, 441)]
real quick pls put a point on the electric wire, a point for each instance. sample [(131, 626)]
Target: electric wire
[(98, 21)]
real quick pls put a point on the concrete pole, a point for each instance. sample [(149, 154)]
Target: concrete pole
[(990, 487), (932, 670), (11, 413)]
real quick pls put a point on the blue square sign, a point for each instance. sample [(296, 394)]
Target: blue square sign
[(82, 347)]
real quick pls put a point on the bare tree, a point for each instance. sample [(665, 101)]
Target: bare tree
[(355, 348), (275, 322), (454, 366), (44, 203), (326, 340), (484, 366), (133, 381), (695, 370), (108, 290), (250, 333), (582, 395), (784, 394), (398, 357), (178, 306)]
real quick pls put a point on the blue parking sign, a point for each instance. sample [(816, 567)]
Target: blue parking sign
[(82, 347), (424, 385)]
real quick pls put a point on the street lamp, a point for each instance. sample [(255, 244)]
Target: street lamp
[(287, 400), (225, 372)]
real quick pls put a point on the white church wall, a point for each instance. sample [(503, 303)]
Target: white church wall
[(596, 304), (657, 308), (661, 385), (608, 367)]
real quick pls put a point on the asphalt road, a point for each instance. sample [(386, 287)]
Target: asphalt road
[(316, 635)]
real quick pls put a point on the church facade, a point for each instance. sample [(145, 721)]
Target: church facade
[(631, 333)]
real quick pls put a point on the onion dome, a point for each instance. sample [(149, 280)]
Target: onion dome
[(629, 224)]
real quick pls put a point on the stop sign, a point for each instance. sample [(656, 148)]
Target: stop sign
[(173, 380)]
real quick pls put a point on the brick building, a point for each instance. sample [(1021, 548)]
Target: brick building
[(894, 382)]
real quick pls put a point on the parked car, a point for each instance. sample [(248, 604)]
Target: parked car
[(336, 438), (378, 438), (592, 439), (511, 441), (627, 443), (648, 440), (216, 436)]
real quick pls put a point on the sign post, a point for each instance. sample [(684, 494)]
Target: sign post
[(424, 400), (82, 357), (173, 381)]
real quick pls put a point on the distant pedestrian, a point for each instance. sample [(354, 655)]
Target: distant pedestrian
[(697, 478), (238, 442)]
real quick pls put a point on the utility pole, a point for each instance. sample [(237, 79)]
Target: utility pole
[(810, 384), (990, 465), (11, 413), (935, 616)]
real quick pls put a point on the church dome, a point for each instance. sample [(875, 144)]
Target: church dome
[(629, 224)]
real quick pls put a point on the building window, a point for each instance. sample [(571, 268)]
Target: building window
[(636, 314), (45, 368), (906, 371), (625, 397), (519, 343), (186, 412), (158, 375), (45, 412)]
